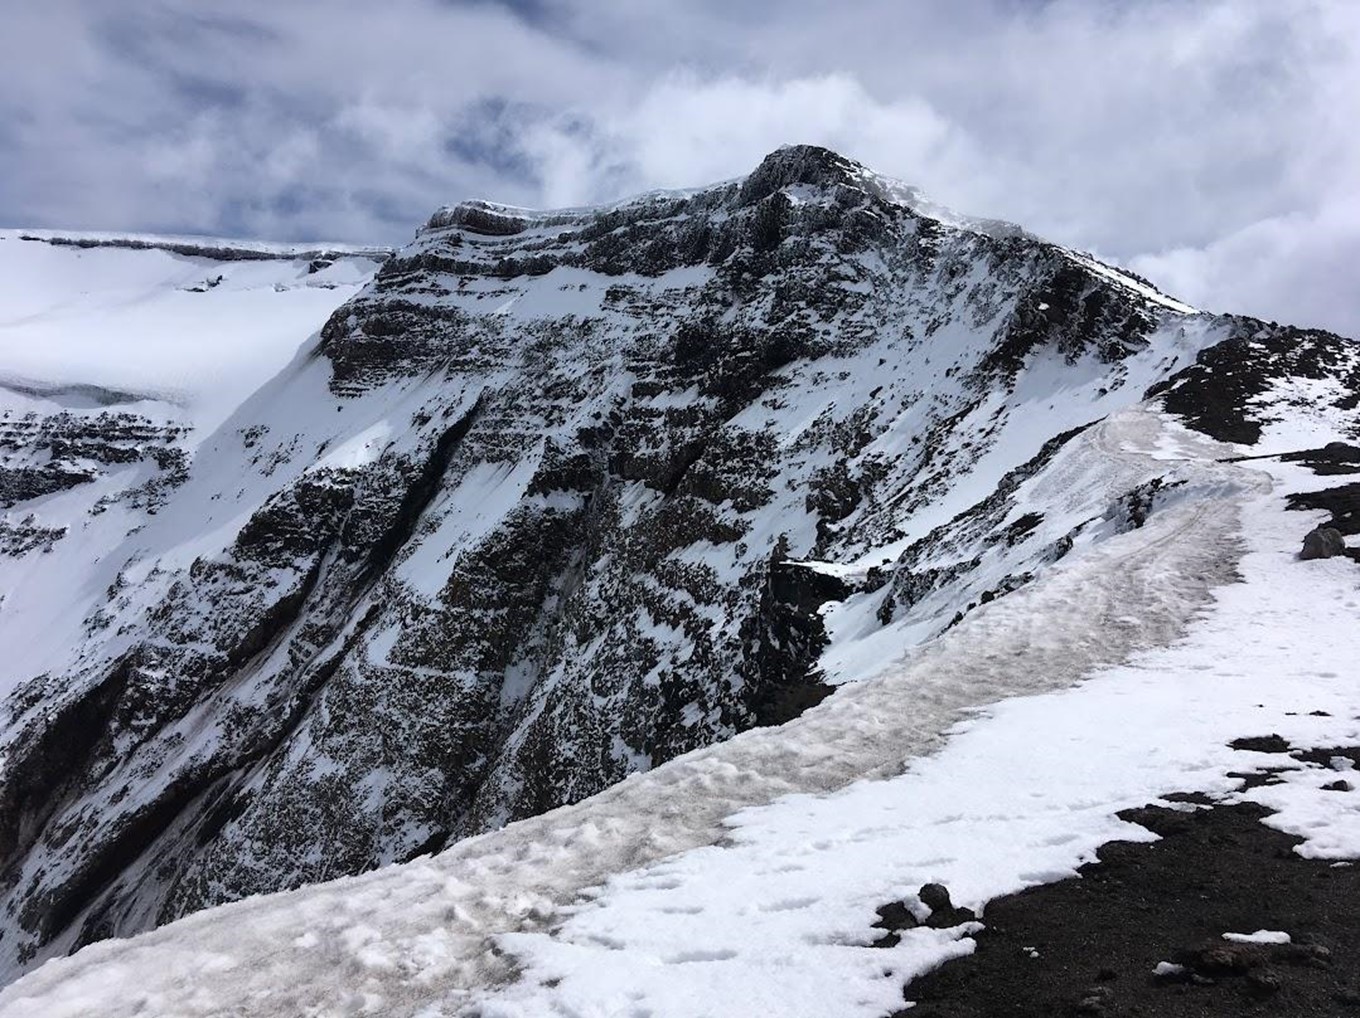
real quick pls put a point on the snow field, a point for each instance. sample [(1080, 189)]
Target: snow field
[(132, 319)]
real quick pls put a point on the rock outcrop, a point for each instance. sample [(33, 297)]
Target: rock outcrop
[(1322, 542)]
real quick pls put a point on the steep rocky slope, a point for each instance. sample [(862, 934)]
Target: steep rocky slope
[(559, 497)]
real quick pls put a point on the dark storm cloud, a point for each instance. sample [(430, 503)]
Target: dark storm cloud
[(1208, 144)]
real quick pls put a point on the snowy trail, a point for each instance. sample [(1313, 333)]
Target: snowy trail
[(422, 938), (777, 919)]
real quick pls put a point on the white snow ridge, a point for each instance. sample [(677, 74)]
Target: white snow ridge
[(977, 525)]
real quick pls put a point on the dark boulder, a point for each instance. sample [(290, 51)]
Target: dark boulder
[(943, 912), (1322, 542)]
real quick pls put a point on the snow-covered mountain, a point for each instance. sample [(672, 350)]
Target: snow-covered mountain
[(554, 499), (118, 355)]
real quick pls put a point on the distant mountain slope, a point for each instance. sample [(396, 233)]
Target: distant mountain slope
[(118, 355), (554, 499)]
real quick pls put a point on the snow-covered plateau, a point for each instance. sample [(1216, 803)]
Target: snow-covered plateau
[(644, 594)]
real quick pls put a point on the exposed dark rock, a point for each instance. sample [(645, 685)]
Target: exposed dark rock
[(45, 454), (797, 164), (64, 392), (1259, 778), (481, 218), (1348, 757), (215, 252), (893, 918), (785, 638), (1020, 528), (1134, 508), (19, 484), (1220, 394), (1322, 542), (1212, 871), (1343, 502), (943, 912), (1065, 311), (27, 534), (935, 897), (1333, 458), (1262, 744)]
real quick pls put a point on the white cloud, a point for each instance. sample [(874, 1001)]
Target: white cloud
[(1297, 268), (1208, 143), (686, 130)]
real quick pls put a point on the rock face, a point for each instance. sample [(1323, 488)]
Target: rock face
[(1322, 542), (558, 497), (44, 455), (41, 455), (1135, 928)]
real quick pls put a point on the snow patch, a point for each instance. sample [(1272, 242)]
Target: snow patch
[(1259, 937)]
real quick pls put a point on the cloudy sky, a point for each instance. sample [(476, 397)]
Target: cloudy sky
[(1211, 144)]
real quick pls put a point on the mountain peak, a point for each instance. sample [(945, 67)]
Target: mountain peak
[(788, 165), (801, 164)]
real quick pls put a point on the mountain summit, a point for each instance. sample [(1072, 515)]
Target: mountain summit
[(556, 498)]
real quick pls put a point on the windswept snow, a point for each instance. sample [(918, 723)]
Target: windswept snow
[(362, 449), (130, 327), (664, 896), (1130, 283)]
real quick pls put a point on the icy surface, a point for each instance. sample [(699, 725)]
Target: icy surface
[(662, 895)]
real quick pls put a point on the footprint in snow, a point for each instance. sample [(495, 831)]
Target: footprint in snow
[(686, 957), (789, 904), (658, 884)]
